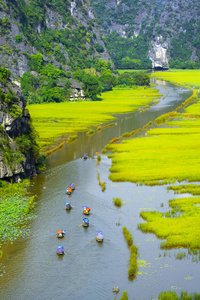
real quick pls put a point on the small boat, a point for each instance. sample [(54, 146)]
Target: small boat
[(72, 186), (68, 205), (60, 250), (61, 233), (86, 210), (85, 222), (68, 191), (85, 155), (99, 237)]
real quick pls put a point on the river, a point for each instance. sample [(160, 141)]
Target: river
[(90, 270)]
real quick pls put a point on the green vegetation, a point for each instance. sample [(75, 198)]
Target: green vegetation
[(173, 296), (124, 296), (132, 271), (102, 184), (117, 202), (52, 120), (182, 77), (128, 236), (15, 205), (193, 189)]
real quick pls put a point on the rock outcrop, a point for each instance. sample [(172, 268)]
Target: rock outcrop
[(15, 123)]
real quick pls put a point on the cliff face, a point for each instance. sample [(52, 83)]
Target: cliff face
[(16, 135), (164, 26), (19, 40)]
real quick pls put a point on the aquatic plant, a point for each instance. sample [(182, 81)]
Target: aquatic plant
[(15, 206), (173, 296), (103, 151), (98, 128), (124, 296), (132, 271), (126, 135), (99, 158), (72, 138), (115, 140), (103, 185), (49, 152), (128, 236), (117, 201), (90, 132)]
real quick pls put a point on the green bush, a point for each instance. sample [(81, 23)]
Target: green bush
[(18, 38)]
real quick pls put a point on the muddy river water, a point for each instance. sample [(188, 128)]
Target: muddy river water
[(90, 270)]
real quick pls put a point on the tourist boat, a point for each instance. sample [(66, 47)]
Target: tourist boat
[(68, 206), (68, 191), (60, 250), (61, 233), (86, 210), (99, 237), (72, 186), (85, 222), (85, 155)]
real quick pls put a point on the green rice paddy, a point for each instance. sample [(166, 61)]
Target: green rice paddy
[(52, 120)]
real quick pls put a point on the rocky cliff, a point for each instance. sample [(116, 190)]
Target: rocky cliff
[(165, 30), (18, 149)]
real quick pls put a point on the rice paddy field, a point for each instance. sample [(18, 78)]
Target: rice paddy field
[(58, 119), (167, 154), (190, 78)]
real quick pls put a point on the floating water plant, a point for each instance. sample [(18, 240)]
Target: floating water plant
[(117, 202), (15, 205), (126, 135)]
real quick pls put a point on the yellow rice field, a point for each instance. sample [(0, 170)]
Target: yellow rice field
[(56, 119), (182, 77)]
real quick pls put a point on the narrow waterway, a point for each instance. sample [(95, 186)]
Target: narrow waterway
[(91, 270)]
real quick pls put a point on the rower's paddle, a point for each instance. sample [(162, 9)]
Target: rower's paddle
[(55, 236), (92, 240), (65, 253), (80, 225)]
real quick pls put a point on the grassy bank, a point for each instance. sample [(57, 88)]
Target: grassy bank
[(15, 205), (56, 119), (189, 78)]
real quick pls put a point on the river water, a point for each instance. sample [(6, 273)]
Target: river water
[(90, 270)]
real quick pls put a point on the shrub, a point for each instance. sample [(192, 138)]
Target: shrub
[(18, 38)]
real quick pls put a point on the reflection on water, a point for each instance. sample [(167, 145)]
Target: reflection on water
[(90, 270)]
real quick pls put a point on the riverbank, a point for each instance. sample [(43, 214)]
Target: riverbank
[(67, 118), (15, 205)]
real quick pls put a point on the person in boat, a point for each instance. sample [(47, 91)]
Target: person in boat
[(68, 205), (72, 186), (85, 222), (86, 210), (99, 236), (60, 250), (69, 191), (85, 155), (61, 233)]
